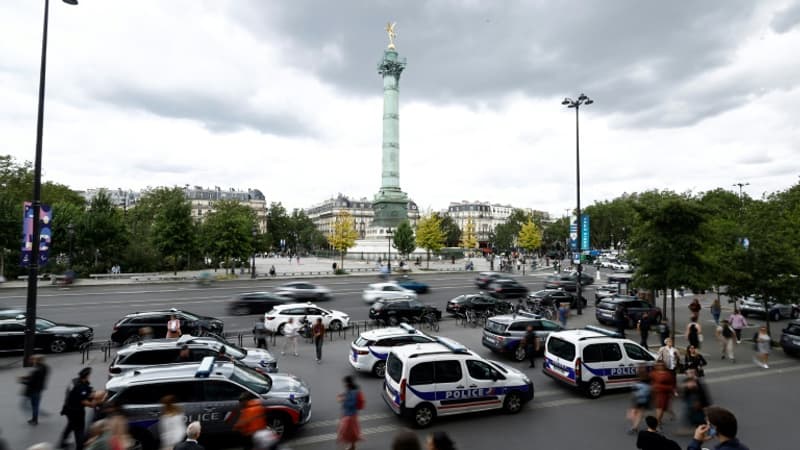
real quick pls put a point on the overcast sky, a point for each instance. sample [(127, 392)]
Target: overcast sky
[(283, 96)]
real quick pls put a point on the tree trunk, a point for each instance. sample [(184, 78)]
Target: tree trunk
[(428, 262), (767, 320), (3, 261), (342, 264), (672, 294), (664, 303)]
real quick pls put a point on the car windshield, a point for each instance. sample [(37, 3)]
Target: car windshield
[(43, 324), (258, 383), (190, 316), (362, 342), (235, 351), (497, 366), (495, 327)]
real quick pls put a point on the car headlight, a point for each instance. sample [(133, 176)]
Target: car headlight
[(75, 335), (526, 380)]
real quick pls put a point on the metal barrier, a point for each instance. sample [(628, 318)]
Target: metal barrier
[(87, 347)]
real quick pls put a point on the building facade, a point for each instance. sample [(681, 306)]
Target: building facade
[(324, 214), (486, 216), (202, 201), (121, 198)]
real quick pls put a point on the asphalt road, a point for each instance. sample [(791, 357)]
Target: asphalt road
[(557, 417)]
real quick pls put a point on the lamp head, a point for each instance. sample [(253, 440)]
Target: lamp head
[(71, 2), (566, 101), (588, 101)]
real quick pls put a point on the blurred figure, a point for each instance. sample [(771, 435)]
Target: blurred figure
[(78, 398), (738, 322), (98, 436), (763, 344), (120, 438), (290, 330), (563, 313), (252, 418), (696, 399), (173, 327), (694, 333), (531, 342), (663, 385), (716, 310), (192, 435), (694, 309), (405, 440), (318, 334), (351, 399), (642, 394), (265, 440), (171, 423), (145, 333), (40, 446), (727, 339), (260, 333), (695, 361), (35, 382), (644, 329), (439, 440), (185, 354)]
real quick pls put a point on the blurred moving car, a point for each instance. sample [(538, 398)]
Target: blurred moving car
[(567, 282), (128, 329), (484, 278), (414, 285), (476, 302), (50, 336), (303, 290), (507, 288), (790, 338), (377, 291), (777, 311), (557, 296), (402, 310), (255, 303)]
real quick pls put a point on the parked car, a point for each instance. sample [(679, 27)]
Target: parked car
[(476, 302), (507, 288), (558, 296), (377, 291), (567, 282), (7, 313), (777, 311), (402, 310), (127, 329), (621, 267), (414, 285), (504, 334), (255, 303), (634, 308), (50, 336), (790, 338), (303, 290), (605, 291), (484, 278), (277, 318)]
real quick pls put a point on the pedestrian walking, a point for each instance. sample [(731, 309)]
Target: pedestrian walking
[(738, 322), (662, 382), (260, 334), (652, 439), (716, 310), (352, 400), (727, 338), (440, 440), (78, 397), (252, 418), (696, 399), (763, 344), (173, 327), (694, 308), (563, 313), (193, 431), (291, 331), (406, 439), (621, 320), (99, 436), (35, 382), (171, 428), (272, 272), (644, 329), (694, 361), (694, 333), (720, 424), (663, 330), (531, 343), (642, 395), (669, 355), (318, 335)]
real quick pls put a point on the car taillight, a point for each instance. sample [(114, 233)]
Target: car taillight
[(270, 317), (362, 352), (403, 390), (114, 370), (577, 369)]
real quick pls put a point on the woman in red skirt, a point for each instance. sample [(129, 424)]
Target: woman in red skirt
[(662, 384), (352, 400)]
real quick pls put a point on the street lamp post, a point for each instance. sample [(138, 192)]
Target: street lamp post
[(389, 262), (741, 193), (253, 265), (36, 203), (570, 103)]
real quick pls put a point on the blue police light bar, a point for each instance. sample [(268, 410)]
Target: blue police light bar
[(205, 368), (601, 330), (454, 346), (408, 328)]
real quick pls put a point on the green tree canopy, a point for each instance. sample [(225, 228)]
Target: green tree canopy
[(228, 231), (452, 233), (430, 235), (530, 236), (404, 240)]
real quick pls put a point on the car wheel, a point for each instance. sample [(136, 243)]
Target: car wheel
[(335, 325), (58, 346), (281, 328), (379, 369), (131, 339), (424, 415), (241, 310), (279, 425), (520, 354), (595, 388), (513, 403), (776, 316)]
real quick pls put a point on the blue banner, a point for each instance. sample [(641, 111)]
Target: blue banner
[(45, 233), (585, 242)]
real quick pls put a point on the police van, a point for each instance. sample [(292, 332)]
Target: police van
[(594, 359), (444, 378), (369, 350)]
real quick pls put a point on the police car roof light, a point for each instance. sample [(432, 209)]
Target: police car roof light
[(601, 330), (452, 345), (408, 328), (205, 368)]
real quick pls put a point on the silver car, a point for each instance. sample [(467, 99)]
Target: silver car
[(303, 290)]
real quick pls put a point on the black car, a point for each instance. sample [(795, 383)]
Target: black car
[(394, 311), (790, 338), (126, 330), (50, 336), (634, 308), (567, 282), (507, 288), (475, 302), (256, 302), (484, 278), (550, 297)]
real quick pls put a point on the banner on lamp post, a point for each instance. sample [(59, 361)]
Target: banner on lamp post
[(45, 238)]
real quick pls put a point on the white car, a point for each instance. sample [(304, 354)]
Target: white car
[(621, 267), (333, 320), (380, 291), (303, 290)]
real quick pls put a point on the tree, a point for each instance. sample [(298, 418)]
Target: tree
[(344, 234), (308, 237), (228, 232), (404, 240), (430, 235), (102, 236), (452, 233), (530, 236), (469, 240), (279, 225), (505, 234), (173, 230), (554, 235)]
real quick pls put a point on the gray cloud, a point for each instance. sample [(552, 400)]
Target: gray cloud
[(757, 158), (786, 19), (161, 166), (217, 112), (631, 56)]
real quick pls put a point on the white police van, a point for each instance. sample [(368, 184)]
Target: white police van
[(369, 350), (594, 359), (424, 381)]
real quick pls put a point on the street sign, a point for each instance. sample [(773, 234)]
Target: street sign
[(585, 242)]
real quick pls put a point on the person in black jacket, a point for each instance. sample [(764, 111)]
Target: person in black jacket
[(78, 397), (35, 383), (192, 435), (651, 439)]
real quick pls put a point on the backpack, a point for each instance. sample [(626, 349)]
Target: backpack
[(726, 332), (360, 401)]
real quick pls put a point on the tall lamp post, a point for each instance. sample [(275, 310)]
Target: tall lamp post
[(570, 103), (33, 268), (389, 262), (253, 265), (741, 193)]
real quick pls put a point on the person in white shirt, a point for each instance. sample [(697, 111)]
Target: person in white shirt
[(290, 330), (171, 423), (173, 327)]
